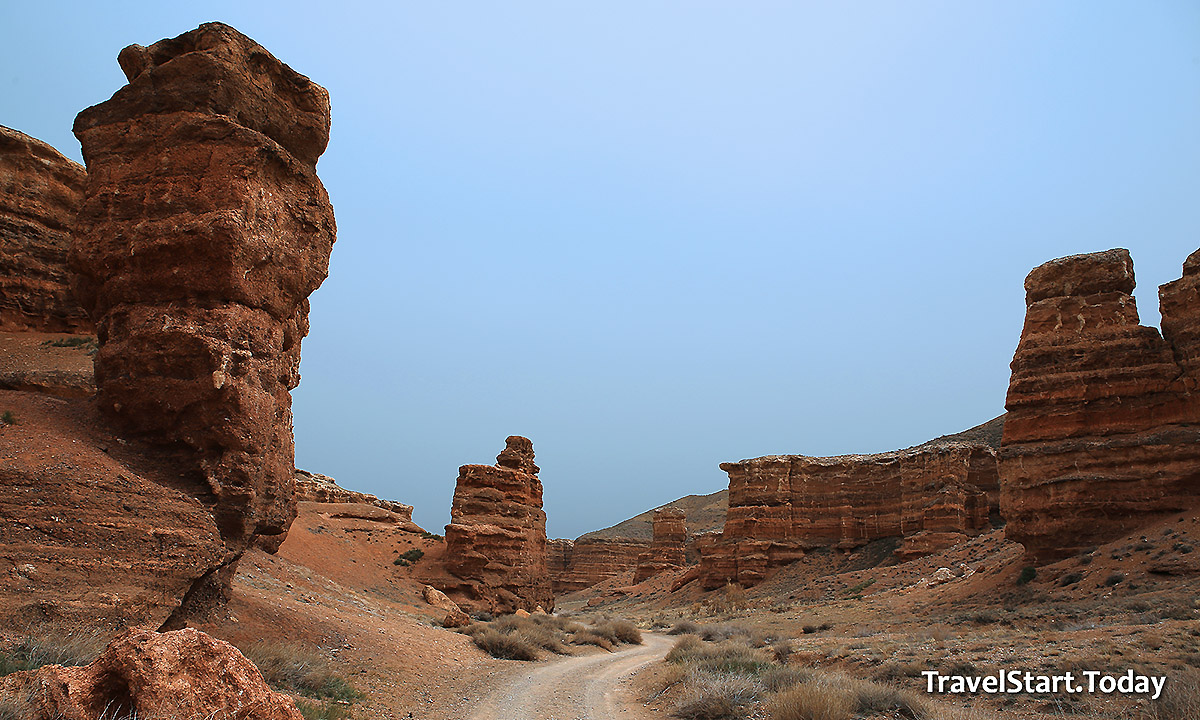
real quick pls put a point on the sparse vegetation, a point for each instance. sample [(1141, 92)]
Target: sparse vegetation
[(432, 536), (519, 638), (8, 418), (1028, 573), (300, 670), (408, 557), (52, 645)]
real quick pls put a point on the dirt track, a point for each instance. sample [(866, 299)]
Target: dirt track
[(575, 688)]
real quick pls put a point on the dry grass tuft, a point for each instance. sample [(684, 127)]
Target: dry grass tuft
[(300, 670), (711, 695), (1181, 697), (507, 647), (53, 644)]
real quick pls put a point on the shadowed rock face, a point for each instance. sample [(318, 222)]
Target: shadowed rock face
[(667, 549), (40, 192), (202, 232), (1102, 434), (780, 507), (496, 539)]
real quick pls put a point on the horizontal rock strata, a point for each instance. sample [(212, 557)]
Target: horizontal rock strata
[(666, 550), (580, 564), (781, 507), (1103, 434), (496, 540), (314, 487), (40, 192)]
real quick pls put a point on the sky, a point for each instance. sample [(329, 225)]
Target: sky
[(657, 236)]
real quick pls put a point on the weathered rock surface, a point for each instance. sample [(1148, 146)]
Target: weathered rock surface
[(781, 507), (666, 551), (40, 191), (580, 564), (202, 231), (184, 674), (92, 528), (314, 487), (496, 539), (1103, 431), (455, 616)]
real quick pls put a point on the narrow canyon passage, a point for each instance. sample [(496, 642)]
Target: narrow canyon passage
[(575, 688)]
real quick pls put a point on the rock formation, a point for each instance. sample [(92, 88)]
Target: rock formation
[(781, 507), (496, 539), (203, 230), (180, 674), (40, 192), (580, 564), (1103, 431), (667, 549), (314, 487)]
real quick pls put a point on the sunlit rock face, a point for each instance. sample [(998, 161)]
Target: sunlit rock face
[(1104, 420), (666, 550), (580, 564), (496, 540)]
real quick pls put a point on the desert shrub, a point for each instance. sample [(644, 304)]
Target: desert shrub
[(432, 536), (7, 418), (727, 599), (619, 631), (1181, 697), (781, 650), (835, 696), (52, 645), (1070, 579), (725, 631), (684, 627), (686, 648), (1028, 573), (300, 670), (715, 695), (778, 679), (413, 555), (811, 701), (543, 637), (587, 637), (1114, 579), (505, 646), (322, 709)]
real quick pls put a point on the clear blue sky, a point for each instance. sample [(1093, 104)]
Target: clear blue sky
[(655, 236)]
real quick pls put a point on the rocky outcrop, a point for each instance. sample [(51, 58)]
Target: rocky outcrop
[(781, 507), (203, 230), (666, 551), (496, 539), (314, 487), (1103, 430), (40, 192), (180, 674), (580, 564)]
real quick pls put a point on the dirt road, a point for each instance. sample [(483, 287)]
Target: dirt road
[(575, 688)]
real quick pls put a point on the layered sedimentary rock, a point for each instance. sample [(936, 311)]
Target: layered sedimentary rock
[(666, 550), (202, 232), (580, 564), (180, 674), (40, 191), (496, 539), (1103, 434), (314, 487), (781, 507)]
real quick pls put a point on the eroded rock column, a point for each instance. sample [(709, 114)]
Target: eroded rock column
[(667, 548), (202, 232), (496, 539)]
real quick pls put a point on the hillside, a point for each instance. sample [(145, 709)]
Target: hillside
[(704, 513)]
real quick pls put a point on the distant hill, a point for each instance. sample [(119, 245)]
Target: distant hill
[(989, 433), (704, 513)]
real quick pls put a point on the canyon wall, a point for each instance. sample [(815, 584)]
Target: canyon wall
[(315, 487), (496, 556), (580, 564), (1103, 434), (781, 507), (40, 191), (666, 550)]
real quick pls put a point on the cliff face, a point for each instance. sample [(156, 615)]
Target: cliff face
[(315, 487), (496, 539), (590, 561), (782, 506), (40, 192), (202, 232), (667, 549), (1103, 433)]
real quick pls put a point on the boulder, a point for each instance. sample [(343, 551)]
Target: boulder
[(184, 674)]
